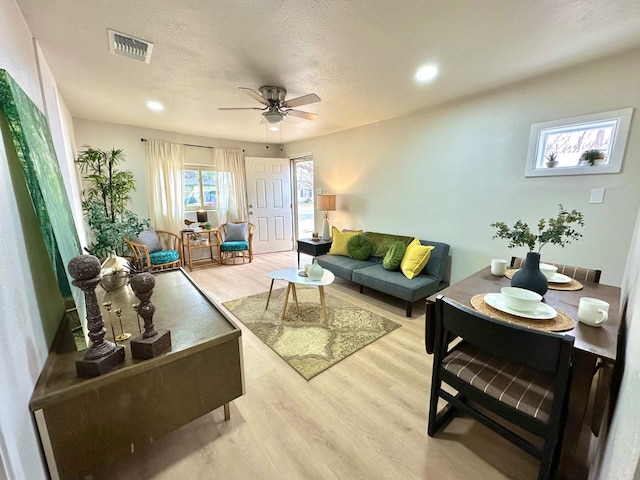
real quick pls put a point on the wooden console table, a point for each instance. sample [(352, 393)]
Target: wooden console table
[(85, 424)]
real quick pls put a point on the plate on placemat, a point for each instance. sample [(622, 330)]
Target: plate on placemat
[(541, 312), (560, 278)]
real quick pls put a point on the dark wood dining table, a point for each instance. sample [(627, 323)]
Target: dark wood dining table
[(592, 345)]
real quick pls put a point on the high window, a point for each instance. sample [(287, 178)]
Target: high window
[(584, 145)]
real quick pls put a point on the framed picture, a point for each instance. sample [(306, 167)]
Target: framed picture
[(584, 145)]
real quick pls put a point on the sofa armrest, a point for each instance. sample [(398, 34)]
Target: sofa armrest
[(437, 264)]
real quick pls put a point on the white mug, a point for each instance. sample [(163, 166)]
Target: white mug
[(498, 267), (592, 311)]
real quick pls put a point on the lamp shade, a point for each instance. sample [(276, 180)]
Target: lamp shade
[(202, 216), (327, 202)]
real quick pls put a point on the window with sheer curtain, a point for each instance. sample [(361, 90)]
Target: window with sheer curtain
[(165, 165), (231, 185)]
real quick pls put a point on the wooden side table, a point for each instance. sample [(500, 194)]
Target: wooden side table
[(313, 247), (188, 248)]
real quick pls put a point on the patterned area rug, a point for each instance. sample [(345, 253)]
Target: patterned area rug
[(301, 339)]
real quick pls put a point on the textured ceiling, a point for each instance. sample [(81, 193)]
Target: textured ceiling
[(358, 56)]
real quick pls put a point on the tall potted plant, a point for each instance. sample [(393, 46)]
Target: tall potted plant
[(560, 230), (105, 198)]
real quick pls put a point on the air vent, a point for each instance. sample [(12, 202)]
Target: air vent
[(128, 46)]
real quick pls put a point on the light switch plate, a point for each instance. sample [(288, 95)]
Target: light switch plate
[(597, 195)]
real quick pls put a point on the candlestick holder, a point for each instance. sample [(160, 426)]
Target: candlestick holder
[(135, 307), (152, 342), (122, 336), (107, 307), (102, 355)]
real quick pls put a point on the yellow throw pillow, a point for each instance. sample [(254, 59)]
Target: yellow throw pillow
[(340, 240), (415, 258)]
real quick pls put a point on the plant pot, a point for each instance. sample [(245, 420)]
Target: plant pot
[(114, 273), (552, 164), (530, 276)]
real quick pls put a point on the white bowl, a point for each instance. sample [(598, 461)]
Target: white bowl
[(548, 270), (520, 299)]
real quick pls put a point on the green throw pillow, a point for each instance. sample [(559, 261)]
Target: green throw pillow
[(359, 247), (393, 258), (383, 241)]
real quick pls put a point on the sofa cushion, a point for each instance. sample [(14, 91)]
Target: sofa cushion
[(395, 283), (340, 240), (341, 266), (394, 256), (359, 247), (382, 242), (415, 258)]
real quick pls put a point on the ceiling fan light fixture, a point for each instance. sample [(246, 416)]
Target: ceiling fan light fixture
[(273, 116)]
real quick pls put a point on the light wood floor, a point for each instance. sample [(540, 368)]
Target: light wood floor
[(364, 418)]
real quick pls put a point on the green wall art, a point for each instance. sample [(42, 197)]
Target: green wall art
[(34, 147)]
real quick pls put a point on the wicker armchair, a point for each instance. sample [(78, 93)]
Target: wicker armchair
[(156, 250), (235, 241)]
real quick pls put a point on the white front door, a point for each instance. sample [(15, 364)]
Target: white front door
[(269, 195)]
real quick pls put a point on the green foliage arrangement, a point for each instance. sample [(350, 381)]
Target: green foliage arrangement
[(105, 200), (557, 231), (591, 156)]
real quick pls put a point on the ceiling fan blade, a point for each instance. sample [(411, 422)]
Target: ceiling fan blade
[(303, 100), (240, 108), (252, 93), (301, 114)]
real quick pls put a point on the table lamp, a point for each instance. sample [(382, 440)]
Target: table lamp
[(326, 203), (203, 218)]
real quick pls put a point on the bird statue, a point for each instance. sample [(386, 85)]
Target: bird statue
[(188, 222)]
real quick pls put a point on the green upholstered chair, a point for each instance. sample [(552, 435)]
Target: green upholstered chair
[(156, 249), (235, 241)]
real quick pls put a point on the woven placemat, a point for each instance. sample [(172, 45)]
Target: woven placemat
[(571, 286), (560, 323)]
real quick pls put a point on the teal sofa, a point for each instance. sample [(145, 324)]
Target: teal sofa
[(371, 274)]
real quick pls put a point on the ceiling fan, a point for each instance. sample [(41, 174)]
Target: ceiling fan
[(276, 108)]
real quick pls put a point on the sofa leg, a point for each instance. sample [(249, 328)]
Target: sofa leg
[(409, 308), (361, 288)]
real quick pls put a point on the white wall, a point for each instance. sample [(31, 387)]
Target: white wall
[(22, 342), (622, 449), (447, 173), (107, 136)]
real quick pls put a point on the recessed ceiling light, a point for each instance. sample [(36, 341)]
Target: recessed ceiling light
[(155, 106), (426, 73)]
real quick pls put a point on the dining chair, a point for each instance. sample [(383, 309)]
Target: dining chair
[(514, 373), (156, 250), (579, 273), (235, 239)]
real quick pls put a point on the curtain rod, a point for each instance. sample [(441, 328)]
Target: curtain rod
[(189, 145)]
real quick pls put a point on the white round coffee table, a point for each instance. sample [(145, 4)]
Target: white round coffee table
[(293, 278)]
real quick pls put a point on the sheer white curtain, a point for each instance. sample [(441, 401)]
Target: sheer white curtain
[(165, 163), (231, 184)]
